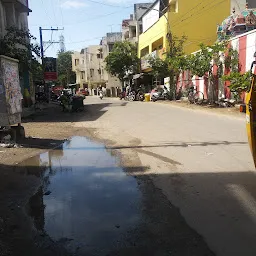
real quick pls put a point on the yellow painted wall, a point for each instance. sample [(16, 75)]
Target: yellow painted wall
[(153, 34), (198, 20)]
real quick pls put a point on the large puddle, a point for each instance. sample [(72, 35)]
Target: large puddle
[(87, 202)]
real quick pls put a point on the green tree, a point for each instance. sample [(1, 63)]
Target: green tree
[(122, 60), (65, 73), (36, 70), (173, 63), (201, 62), (160, 67), (238, 82), (18, 44)]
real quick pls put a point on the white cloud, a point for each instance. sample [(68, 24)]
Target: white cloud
[(73, 4)]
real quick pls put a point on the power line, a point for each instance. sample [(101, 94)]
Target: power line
[(61, 13), (54, 15), (88, 20), (101, 3), (94, 18), (50, 42), (50, 19), (86, 40), (199, 12), (192, 14), (193, 8)]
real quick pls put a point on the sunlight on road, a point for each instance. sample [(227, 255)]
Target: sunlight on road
[(245, 199)]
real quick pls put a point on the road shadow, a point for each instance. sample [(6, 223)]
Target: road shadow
[(182, 144), (46, 143), (54, 113), (158, 228), (230, 196), (40, 143)]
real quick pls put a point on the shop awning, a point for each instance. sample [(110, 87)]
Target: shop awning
[(137, 76)]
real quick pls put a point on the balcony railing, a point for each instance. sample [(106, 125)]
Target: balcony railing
[(145, 60)]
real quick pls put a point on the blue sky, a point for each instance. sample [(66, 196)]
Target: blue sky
[(84, 21)]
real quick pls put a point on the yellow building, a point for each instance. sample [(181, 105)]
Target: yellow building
[(195, 19)]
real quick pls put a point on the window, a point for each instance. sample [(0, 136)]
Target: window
[(82, 75), (76, 62), (99, 56), (141, 29), (144, 51), (174, 6), (110, 47), (133, 31), (91, 72)]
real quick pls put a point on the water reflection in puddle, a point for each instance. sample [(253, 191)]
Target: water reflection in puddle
[(91, 202)]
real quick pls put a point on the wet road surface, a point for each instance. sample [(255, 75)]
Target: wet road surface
[(90, 206), (198, 158)]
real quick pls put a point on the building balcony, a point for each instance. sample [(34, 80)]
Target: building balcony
[(79, 67), (20, 5), (145, 60)]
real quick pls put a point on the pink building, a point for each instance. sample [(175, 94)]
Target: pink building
[(245, 44)]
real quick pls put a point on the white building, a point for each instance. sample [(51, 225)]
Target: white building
[(88, 66), (107, 44), (132, 28), (13, 13)]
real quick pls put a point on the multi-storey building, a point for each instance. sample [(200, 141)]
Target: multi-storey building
[(13, 13), (89, 64), (132, 28), (195, 19)]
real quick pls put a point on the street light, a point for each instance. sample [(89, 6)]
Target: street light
[(169, 33)]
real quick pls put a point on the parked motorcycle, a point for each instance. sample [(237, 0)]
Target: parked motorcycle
[(122, 95), (160, 95), (41, 97), (131, 96), (140, 96)]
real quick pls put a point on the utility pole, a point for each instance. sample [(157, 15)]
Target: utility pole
[(51, 42)]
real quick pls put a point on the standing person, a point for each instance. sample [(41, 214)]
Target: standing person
[(101, 92), (104, 91)]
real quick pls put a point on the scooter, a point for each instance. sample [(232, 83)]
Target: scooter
[(160, 95)]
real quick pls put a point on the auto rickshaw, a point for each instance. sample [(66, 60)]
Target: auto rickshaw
[(251, 112)]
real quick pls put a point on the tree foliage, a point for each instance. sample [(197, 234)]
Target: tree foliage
[(160, 67), (36, 70), (17, 43), (122, 60), (238, 82), (202, 61), (65, 73)]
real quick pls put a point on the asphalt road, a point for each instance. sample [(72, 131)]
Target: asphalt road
[(200, 160)]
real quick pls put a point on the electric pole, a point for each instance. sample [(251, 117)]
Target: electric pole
[(50, 42)]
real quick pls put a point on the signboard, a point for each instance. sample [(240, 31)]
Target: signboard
[(167, 83), (151, 17), (144, 60), (50, 69)]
